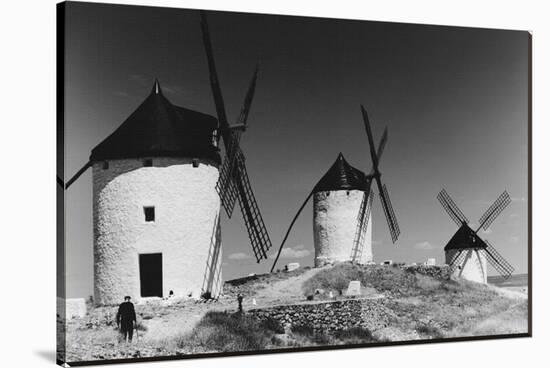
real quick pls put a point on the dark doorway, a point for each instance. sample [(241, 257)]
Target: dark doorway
[(150, 274)]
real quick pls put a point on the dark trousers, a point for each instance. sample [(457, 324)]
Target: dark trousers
[(126, 330)]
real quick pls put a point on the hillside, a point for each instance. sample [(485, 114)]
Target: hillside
[(413, 303)]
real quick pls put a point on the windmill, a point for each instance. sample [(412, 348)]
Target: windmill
[(343, 201), (466, 253), (159, 176)]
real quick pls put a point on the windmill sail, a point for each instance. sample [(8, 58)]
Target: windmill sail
[(498, 262), (362, 225), (214, 82), (389, 213), (225, 185), (496, 209), (451, 208), (236, 174), (255, 226)]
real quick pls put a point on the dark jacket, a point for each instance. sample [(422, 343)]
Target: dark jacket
[(126, 314)]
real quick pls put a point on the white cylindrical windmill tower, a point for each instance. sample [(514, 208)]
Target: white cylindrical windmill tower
[(337, 199), (155, 206), (465, 252)]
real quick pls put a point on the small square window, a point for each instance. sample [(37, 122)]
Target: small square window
[(105, 165), (148, 162), (149, 214)]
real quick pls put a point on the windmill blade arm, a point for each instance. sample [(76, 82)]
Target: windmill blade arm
[(498, 262), (245, 110), (388, 210), (214, 81), (451, 208), (371, 139), (255, 226), (78, 174), (382, 145), (496, 209), (225, 185), (362, 223), (288, 231)]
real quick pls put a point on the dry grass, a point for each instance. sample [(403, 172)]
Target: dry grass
[(224, 332), (426, 307), (421, 307)]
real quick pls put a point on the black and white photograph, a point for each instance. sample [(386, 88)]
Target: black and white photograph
[(238, 183)]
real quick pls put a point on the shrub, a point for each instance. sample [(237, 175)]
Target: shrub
[(354, 335), (429, 331), (309, 336), (141, 327), (272, 325), (222, 331)]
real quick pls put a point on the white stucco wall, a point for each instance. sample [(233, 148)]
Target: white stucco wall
[(186, 227), (472, 268), (75, 307), (335, 224)]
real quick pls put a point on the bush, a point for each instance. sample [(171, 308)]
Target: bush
[(141, 327), (222, 331), (310, 336), (354, 335), (429, 331), (272, 325)]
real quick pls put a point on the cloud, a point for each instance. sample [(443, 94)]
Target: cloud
[(171, 88), (425, 245), (514, 239), (296, 252), (488, 231), (377, 242), (513, 215), (517, 199), (239, 256)]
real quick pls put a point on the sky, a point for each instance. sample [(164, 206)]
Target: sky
[(455, 101)]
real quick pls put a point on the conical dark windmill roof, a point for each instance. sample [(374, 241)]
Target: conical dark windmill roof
[(465, 238), (157, 128), (341, 176)]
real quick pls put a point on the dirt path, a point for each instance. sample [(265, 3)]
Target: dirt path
[(285, 291), (182, 320)]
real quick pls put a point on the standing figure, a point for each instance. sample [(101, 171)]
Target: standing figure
[(126, 319), (240, 301)]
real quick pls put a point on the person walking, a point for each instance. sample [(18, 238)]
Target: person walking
[(126, 319)]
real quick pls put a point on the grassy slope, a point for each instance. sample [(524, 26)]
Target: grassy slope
[(421, 307), (426, 307)]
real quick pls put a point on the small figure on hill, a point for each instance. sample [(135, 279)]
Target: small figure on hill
[(171, 294), (126, 319), (240, 301)]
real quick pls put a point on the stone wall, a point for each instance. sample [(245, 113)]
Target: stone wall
[(371, 314), (437, 272)]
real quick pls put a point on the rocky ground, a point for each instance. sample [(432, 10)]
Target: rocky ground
[(418, 303)]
